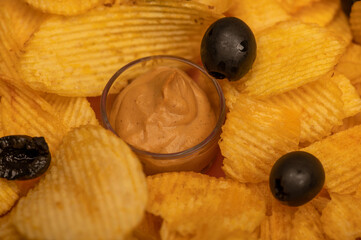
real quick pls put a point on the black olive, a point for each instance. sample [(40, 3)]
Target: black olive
[(296, 178), (347, 5), (228, 49), (23, 157)]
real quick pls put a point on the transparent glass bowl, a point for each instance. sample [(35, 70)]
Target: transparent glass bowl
[(196, 158)]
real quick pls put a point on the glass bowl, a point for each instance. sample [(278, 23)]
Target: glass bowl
[(195, 158)]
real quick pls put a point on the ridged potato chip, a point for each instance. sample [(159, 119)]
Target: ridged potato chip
[(293, 6), (149, 228), (340, 156), (321, 12), (288, 57), (219, 6), (24, 111), (340, 27), (95, 190), (341, 218), (64, 7), (320, 104), (9, 194), (76, 56), (74, 111), (230, 92), (254, 136), (260, 14), (348, 123), (7, 229), (355, 22), (351, 99), (350, 63), (198, 206)]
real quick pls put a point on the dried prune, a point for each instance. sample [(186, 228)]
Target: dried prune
[(23, 157)]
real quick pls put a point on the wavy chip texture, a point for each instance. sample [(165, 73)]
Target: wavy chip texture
[(340, 27), (321, 12), (24, 111), (9, 194), (76, 56), (260, 14), (219, 6), (350, 63), (340, 156), (254, 136), (293, 6), (96, 190), (7, 229), (74, 111), (291, 54), (320, 104), (341, 218), (355, 22), (64, 7), (203, 207)]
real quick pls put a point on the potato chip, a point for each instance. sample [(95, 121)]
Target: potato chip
[(340, 156), (9, 194), (95, 190), (7, 229), (254, 136), (351, 99), (22, 19), (321, 12), (64, 7), (306, 224), (203, 207), (73, 111), (149, 228), (24, 111), (258, 15), (348, 123), (350, 62), (340, 27), (231, 94), (76, 56), (341, 218), (355, 22), (219, 6), (293, 6), (288, 57), (320, 104)]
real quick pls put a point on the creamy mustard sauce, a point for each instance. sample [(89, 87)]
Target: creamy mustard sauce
[(163, 111)]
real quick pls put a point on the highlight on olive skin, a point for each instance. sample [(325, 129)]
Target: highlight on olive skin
[(296, 178), (23, 157), (228, 49)]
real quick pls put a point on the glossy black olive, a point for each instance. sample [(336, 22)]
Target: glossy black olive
[(228, 49), (296, 178), (23, 157), (346, 6)]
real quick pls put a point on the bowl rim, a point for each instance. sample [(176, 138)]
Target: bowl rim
[(165, 156)]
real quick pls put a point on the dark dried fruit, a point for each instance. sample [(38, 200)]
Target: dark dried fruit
[(23, 157)]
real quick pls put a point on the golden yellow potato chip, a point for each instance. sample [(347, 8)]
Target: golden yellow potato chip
[(355, 22), (340, 27), (288, 56), (351, 99), (230, 92), (306, 224), (64, 7), (149, 228), (24, 111), (219, 6), (293, 6), (74, 111), (7, 229), (320, 104), (321, 201), (260, 14), (341, 218), (95, 190), (9, 194), (350, 63), (321, 12), (340, 156), (203, 207), (76, 56), (348, 123), (22, 19), (254, 136)]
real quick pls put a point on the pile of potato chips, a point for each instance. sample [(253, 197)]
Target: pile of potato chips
[(302, 93)]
